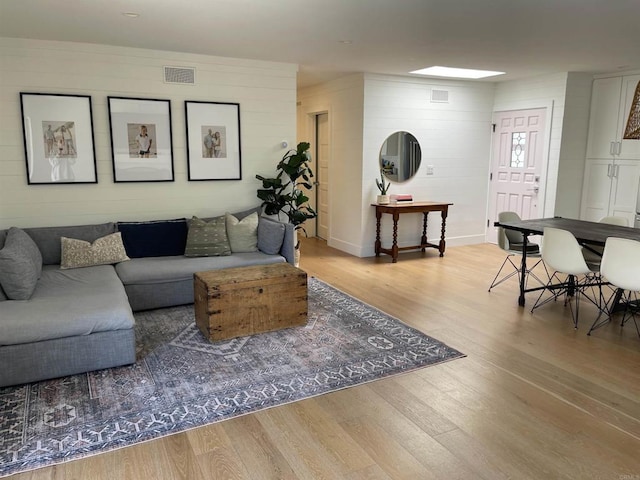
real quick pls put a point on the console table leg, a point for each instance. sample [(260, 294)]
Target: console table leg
[(423, 240), (394, 248), (443, 245), (378, 244)]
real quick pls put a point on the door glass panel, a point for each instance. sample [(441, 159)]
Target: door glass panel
[(518, 143)]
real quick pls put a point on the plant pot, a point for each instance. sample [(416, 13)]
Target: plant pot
[(296, 250), (383, 199), (296, 257)]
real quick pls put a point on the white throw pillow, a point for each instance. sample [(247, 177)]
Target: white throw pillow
[(243, 234)]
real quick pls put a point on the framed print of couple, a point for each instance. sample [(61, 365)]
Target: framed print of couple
[(213, 140)]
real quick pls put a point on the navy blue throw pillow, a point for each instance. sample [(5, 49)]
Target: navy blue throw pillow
[(159, 238)]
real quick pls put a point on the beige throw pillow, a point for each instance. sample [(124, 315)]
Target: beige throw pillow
[(243, 234), (103, 251)]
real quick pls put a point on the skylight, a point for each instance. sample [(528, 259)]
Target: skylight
[(437, 71)]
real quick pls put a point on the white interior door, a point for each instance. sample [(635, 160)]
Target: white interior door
[(516, 165), (322, 175)]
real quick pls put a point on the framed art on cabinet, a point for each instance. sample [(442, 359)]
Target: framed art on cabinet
[(141, 146), (213, 140), (58, 138)]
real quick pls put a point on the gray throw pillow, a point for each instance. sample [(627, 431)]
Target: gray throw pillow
[(207, 239), (243, 234), (20, 265), (270, 236)]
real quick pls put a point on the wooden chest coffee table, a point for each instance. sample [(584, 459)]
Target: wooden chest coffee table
[(235, 302)]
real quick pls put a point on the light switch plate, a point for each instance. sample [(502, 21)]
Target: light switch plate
[(429, 169)]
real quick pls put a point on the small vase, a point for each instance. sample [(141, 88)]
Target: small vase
[(383, 199)]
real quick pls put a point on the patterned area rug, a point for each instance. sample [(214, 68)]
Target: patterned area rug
[(182, 381)]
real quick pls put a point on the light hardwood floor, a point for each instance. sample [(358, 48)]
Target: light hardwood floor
[(533, 399)]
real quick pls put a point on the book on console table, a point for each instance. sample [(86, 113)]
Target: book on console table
[(402, 198)]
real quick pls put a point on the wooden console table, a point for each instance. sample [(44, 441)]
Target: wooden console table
[(396, 209)]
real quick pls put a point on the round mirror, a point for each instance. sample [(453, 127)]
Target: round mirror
[(400, 156)]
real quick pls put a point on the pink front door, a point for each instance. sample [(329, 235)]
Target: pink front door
[(516, 165)]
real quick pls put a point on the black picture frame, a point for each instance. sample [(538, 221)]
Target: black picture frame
[(141, 139), (213, 140), (58, 138)]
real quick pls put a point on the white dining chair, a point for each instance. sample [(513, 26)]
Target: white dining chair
[(563, 256), (512, 242), (593, 254), (621, 268)]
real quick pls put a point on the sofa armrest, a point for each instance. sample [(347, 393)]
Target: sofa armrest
[(276, 237), (289, 243)]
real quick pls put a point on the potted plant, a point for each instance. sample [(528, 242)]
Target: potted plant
[(383, 186), (284, 194)]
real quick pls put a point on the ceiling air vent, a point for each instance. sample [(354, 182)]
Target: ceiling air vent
[(439, 96), (182, 75)]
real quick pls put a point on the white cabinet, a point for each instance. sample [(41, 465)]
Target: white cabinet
[(610, 188), (611, 101)]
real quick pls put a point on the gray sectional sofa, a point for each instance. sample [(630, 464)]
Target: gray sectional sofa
[(81, 319)]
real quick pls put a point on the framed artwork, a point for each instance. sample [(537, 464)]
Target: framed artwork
[(213, 140), (58, 138), (141, 146)]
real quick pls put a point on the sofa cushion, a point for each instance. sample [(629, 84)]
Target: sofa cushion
[(157, 238), (207, 239), (243, 234), (67, 303), (20, 265), (48, 238), (270, 235), (104, 251), (151, 270)]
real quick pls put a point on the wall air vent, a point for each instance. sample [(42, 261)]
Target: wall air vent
[(439, 96), (181, 75)]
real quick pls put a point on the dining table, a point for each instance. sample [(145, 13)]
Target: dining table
[(588, 234)]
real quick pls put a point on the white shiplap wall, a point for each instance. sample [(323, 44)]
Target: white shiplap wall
[(455, 139), (265, 91), (573, 148)]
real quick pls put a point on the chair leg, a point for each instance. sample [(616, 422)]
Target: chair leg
[(530, 272), (572, 287), (497, 282), (631, 308), (554, 295), (605, 308)]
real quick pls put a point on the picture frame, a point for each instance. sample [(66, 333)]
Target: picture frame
[(213, 140), (58, 138), (141, 139)]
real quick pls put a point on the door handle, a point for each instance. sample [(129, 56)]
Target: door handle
[(618, 150), (609, 170), (534, 189), (611, 148)]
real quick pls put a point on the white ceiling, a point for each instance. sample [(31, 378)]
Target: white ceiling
[(521, 37)]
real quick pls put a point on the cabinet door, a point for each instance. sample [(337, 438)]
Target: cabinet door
[(604, 116), (596, 189), (624, 189), (629, 149)]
